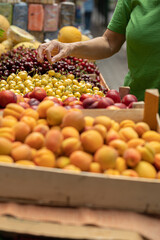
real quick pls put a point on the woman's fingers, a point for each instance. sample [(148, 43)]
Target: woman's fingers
[(41, 51)]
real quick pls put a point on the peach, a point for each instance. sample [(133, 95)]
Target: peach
[(141, 127), (81, 160), (133, 143), (30, 112), (104, 120), (95, 167), (6, 159), (111, 135), (30, 121), (106, 156), (25, 162), (43, 107), (129, 173), (70, 145), (145, 170), (155, 145), (157, 161), (151, 136), (8, 121), (111, 172), (70, 132), (44, 157), (62, 162), (127, 123), (120, 164), (33, 150), (14, 110), (72, 167), (91, 140), (147, 152), (7, 133), (55, 115), (132, 157), (53, 140), (119, 145), (127, 133), (21, 130), (74, 119), (22, 152), (43, 129), (35, 140), (88, 121), (101, 129)]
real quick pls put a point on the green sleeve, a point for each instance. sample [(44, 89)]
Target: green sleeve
[(120, 16)]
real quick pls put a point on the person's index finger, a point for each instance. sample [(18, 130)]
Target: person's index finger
[(49, 50)]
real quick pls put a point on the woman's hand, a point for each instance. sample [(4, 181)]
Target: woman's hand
[(53, 50)]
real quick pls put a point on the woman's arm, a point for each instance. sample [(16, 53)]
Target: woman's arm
[(94, 49)]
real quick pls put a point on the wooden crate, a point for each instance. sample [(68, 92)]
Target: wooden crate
[(55, 187)]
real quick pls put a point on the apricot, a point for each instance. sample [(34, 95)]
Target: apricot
[(88, 121), (55, 115), (158, 175), (43, 107), (69, 132), (104, 120), (129, 173), (44, 157), (7, 133), (157, 161), (30, 112), (141, 127), (111, 135), (132, 157), (35, 140), (101, 129), (127, 123), (115, 125), (95, 167), (16, 144), (74, 119), (42, 121), (106, 156), (112, 172), (120, 164), (53, 140), (25, 162), (133, 143), (145, 170), (147, 152), (70, 145), (6, 159), (127, 133), (22, 152), (81, 160), (151, 136), (62, 162), (43, 129), (21, 130), (72, 167), (8, 121), (30, 121), (155, 145), (119, 145), (91, 140), (14, 110)]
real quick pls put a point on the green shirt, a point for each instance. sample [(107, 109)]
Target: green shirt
[(139, 20)]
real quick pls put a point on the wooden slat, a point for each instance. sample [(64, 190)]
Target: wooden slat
[(151, 107)]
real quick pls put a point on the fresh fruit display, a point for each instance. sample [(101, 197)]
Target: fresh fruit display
[(55, 137)]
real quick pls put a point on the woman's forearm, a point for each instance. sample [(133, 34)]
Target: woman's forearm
[(94, 49)]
